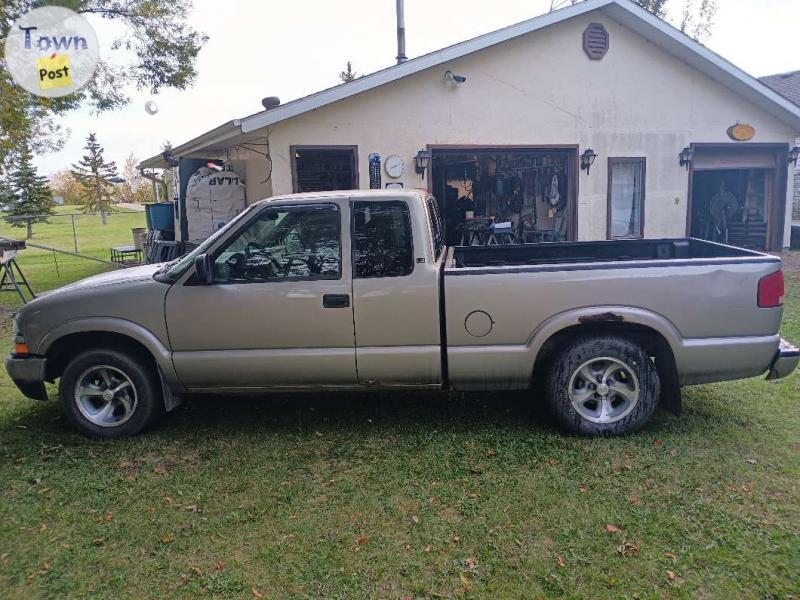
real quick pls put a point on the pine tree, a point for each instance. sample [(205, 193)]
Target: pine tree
[(97, 178), (348, 74), (28, 193)]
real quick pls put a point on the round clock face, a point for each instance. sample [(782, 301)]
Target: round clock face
[(394, 165)]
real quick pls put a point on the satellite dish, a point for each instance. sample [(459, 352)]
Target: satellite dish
[(150, 107), (270, 102)]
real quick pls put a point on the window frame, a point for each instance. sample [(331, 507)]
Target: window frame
[(283, 208), (293, 149), (615, 160), (353, 204)]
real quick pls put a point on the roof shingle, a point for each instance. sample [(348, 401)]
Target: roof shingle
[(786, 84)]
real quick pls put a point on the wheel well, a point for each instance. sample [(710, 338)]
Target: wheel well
[(651, 340), (65, 348)]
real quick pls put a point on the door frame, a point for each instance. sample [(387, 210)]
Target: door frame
[(573, 180), (776, 219), (299, 147)]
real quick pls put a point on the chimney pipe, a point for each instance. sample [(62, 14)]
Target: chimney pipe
[(401, 34)]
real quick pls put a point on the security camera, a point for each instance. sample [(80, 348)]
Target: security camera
[(450, 76)]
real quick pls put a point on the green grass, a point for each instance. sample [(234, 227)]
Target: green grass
[(44, 272), (388, 496)]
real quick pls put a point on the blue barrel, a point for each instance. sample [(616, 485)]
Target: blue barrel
[(161, 216), (147, 216)]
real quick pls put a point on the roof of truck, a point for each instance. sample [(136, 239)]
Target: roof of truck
[(391, 194)]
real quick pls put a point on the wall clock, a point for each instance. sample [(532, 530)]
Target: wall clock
[(394, 165)]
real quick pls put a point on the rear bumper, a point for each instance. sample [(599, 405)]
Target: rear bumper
[(28, 373), (786, 360)]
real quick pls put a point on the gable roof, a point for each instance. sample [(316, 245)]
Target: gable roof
[(786, 84), (655, 30)]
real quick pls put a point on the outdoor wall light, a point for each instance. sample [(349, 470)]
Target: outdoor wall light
[(587, 159), (422, 161), (793, 155), (687, 154)]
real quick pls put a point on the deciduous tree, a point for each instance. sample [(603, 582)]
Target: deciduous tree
[(96, 176), (64, 184)]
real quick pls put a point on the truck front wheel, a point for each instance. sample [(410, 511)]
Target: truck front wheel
[(602, 386), (109, 394)]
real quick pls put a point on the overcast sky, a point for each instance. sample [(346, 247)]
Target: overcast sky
[(260, 48)]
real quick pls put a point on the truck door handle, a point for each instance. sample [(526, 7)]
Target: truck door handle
[(335, 301)]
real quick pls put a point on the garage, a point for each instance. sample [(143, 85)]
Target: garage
[(505, 195)]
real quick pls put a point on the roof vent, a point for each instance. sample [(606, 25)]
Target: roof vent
[(595, 41), (270, 102)]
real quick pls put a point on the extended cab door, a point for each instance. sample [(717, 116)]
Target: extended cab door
[(395, 294), (278, 312)]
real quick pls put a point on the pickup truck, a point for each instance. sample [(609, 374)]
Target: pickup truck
[(356, 290)]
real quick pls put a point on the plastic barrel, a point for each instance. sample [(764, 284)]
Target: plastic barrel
[(161, 216), (147, 216)]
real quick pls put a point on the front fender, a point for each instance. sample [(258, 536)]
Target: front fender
[(135, 331)]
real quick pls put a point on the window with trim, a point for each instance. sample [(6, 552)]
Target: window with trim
[(626, 184), (382, 243), (284, 243)]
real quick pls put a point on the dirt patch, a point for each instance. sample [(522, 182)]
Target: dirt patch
[(791, 263)]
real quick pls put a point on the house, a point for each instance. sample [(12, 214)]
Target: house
[(595, 121), (788, 86)]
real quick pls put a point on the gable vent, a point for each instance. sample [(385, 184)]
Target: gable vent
[(595, 41)]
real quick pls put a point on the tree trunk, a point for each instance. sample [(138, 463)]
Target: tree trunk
[(103, 217), (29, 234)]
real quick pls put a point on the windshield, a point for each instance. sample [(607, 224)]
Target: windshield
[(178, 268)]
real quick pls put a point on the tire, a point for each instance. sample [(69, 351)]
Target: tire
[(602, 385), (109, 393)]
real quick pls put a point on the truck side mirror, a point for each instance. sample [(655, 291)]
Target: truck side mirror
[(204, 267)]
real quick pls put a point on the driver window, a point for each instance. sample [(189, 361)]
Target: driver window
[(284, 243)]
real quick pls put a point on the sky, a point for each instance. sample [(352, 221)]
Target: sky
[(261, 48)]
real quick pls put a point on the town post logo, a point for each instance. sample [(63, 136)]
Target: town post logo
[(52, 51)]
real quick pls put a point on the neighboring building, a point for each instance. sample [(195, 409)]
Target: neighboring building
[(660, 111), (788, 86)]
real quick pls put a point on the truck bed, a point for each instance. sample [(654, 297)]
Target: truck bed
[(594, 252)]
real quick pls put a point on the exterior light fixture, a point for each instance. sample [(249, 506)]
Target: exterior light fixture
[(793, 155), (453, 78), (587, 159), (422, 161), (687, 154)]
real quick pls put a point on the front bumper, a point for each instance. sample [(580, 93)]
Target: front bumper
[(28, 373), (786, 360)]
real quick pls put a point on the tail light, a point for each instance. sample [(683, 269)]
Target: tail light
[(771, 290)]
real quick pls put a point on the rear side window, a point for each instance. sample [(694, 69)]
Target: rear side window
[(436, 226), (382, 244)]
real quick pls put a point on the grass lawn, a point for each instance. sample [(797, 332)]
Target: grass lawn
[(94, 239), (397, 496)]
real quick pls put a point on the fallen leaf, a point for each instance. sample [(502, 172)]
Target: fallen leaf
[(583, 489), (221, 565), (196, 571), (471, 563), (256, 593), (670, 555), (752, 461), (99, 541), (671, 575), (456, 538), (361, 540), (612, 528), (415, 519), (628, 549), (36, 481), (560, 561), (490, 452), (426, 548), (465, 581), (319, 434), (168, 539), (635, 500), (658, 442), (4, 556), (407, 547)]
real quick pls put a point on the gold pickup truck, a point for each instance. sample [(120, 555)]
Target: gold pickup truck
[(356, 290)]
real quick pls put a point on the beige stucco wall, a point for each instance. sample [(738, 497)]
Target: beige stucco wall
[(537, 90)]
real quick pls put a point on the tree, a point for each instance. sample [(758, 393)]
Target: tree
[(31, 200), (157, 48), (136, 188), (64, 184), (697, 16), (348, 74), (96, 176)]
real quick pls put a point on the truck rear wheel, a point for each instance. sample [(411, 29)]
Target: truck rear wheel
[(602, 386), (109, 394)]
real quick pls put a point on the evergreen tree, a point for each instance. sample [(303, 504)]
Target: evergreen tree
[(29, 195), (97, 178)]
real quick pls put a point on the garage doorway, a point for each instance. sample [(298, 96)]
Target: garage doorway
[(324, 168), (737, 195), (500, 195)]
